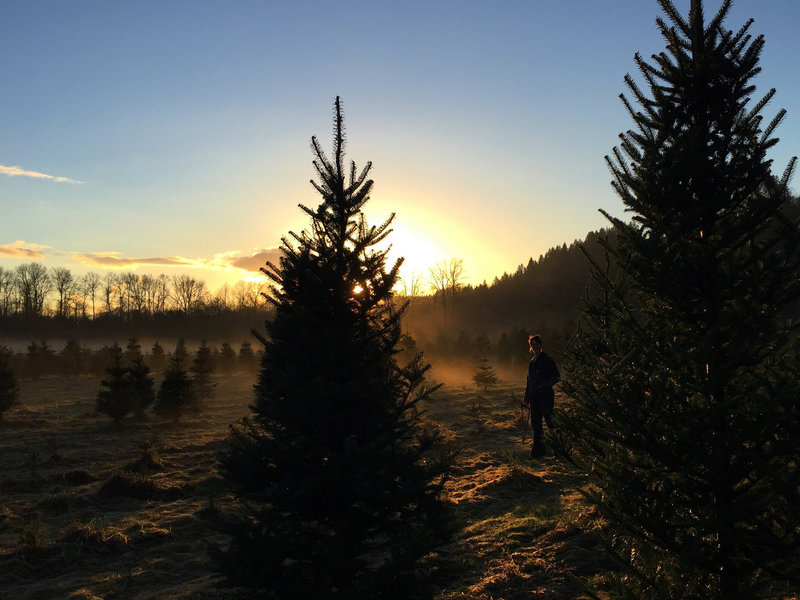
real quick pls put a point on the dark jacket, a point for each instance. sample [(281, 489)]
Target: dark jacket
[(542, 376)]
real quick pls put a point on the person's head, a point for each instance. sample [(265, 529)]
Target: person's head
[(535, 342)]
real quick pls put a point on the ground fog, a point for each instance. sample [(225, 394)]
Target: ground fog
[(90, 511)]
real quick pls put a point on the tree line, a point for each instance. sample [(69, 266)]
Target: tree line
[(33, 290), (544, 296)]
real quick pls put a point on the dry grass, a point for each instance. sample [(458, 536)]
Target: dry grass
[(88, 510), (524, 530), (91, 511)]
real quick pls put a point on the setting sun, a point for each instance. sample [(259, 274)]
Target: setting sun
[(418, 251)]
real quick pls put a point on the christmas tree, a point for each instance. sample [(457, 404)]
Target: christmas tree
[(685, 373), (176, 395), (342, 479), (116, 399)]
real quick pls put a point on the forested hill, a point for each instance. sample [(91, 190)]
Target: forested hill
[(543, 296)]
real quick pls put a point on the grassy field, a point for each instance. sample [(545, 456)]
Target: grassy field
[(91, 511)]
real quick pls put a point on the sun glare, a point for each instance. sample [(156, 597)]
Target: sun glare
[(418, 251), (251, 277)]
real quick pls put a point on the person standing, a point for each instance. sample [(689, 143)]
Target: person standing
[(539, 396)]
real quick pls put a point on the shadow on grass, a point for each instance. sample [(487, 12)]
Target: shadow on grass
[(523, 527)]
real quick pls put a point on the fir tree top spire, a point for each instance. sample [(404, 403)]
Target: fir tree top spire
[(339, 235)]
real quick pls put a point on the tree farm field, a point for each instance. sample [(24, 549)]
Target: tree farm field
[(89, 510)]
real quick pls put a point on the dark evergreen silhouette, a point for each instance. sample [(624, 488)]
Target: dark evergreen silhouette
[(72, 359), (41, 359), (181, 354), (99, 360), (115, 398), (133, 349), (685, 372), (141, 385), (341, 480), (202, 368), (9, 388), (158, 358), (227, 358), (247, 358), (176, 395)]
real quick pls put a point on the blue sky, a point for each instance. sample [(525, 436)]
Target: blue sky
[(174, 136)]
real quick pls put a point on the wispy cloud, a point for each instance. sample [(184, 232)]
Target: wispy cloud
[(20, 172), (247, 262), (114, 260), (20, 249), (256, 260)]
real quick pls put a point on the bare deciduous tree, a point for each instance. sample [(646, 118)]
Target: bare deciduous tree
[(33, 285), (109, 284), (188, 293), (455, 275), (136, 293), (160, 293), (447, 276), (7, 292), (247, 294), (90, 283), (64, 283), (146, 284), (223, 295), (439, 275), (412, 285)]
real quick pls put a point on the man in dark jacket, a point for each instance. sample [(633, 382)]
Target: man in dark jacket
[(539, 397)]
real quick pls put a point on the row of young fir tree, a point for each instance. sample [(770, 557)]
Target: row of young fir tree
[(128, 388), (40, 359)]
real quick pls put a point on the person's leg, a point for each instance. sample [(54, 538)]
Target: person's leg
[(538, 431), (552, 430)]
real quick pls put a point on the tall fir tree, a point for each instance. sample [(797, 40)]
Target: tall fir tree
[(341, 478), (685, 372)]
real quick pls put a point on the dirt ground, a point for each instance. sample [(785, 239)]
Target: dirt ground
[(88, 510)]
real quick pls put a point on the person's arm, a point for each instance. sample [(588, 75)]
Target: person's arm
[(526, 399), (552, 376)]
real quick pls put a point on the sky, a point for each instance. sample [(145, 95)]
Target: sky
[(174, 136)]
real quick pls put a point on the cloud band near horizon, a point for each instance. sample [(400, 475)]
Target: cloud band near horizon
[(24, 250), (249, 262), (226, 260)]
